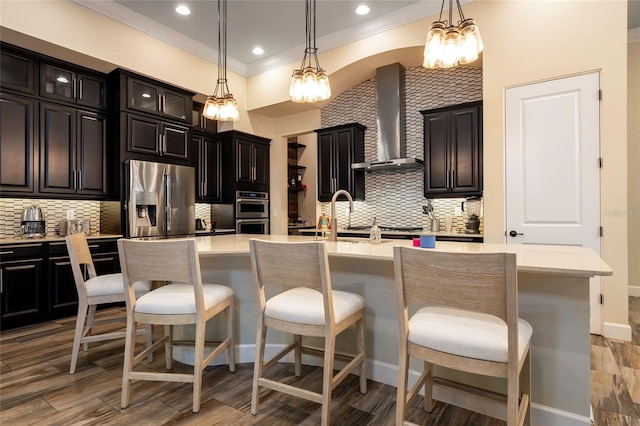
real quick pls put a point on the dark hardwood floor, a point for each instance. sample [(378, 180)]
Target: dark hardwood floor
[(36, 388)]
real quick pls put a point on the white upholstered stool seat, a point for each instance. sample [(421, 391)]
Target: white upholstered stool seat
[(306, 306), (179, 299), (110, 284), (466, 333), (302, 302)]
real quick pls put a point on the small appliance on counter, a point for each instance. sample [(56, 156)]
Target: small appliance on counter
[(74, 226), (33, 223), (473, 210)]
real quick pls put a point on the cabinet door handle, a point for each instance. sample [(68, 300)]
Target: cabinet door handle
[(453, 179), (159, 102), (80, 91), (74, 88), (164, 143), (79, 179), (94, 246), (2, 281), (6, 252), (75, 179)]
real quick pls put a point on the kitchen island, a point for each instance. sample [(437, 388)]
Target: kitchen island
[(553, 298)]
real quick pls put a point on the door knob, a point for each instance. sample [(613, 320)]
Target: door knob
[(515, 234)]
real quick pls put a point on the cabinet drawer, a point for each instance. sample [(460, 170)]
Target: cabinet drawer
[(21, 251), (96, 246)]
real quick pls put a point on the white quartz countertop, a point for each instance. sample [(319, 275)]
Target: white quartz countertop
[(561, 260), (355, 232)]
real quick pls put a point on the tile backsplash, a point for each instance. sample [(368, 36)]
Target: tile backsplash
[(102, 214), (395, 197)]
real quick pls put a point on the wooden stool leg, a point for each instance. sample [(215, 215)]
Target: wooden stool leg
[(198, 365), (525, 375), (361, 350), (258, 365), (228, 314), (168, 350), (327, 377), (298, 355), (403, 375), (149, 339), (428, 387), (77, 337), (129, 349), (92, 314)]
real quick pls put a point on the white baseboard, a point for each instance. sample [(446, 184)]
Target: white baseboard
[(634, 290), (612, 330), (388, 374)]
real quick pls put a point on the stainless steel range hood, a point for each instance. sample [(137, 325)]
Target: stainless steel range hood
[(390, 114)]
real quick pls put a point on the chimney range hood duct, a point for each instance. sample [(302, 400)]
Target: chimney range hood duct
[(390, 113)]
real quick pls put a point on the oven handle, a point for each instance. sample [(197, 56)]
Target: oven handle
[(251, 200)]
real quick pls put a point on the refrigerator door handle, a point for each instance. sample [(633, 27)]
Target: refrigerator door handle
[(167, 204)]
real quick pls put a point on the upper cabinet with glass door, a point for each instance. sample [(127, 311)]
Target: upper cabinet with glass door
[(156, 99), (16, 71), (73, 86)]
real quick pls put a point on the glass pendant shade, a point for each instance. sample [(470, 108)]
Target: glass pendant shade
[(448, 45), (434, 46), (221, 106), (310, 83), (470, 41)]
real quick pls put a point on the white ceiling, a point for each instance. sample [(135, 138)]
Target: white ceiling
[(278, 26), (275, 25)]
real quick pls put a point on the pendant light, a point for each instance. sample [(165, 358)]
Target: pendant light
[(221, 106), (310, 83), (448, 46)]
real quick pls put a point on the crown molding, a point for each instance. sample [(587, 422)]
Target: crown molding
[(633, 35), (399, 17), (126, 16)]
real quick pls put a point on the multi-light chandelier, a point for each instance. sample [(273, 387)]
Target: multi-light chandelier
[(221, 105), (448, 46), (310, 83)]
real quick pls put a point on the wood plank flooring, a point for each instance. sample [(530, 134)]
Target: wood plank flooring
[(36, 388)]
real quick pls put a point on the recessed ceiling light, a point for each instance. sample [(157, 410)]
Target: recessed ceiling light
[(258, 50), (363, 9), (183, 10)]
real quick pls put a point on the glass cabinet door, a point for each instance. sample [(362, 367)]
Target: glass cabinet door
[(174, 105), (143, 96), (58, 83), (16, 72)]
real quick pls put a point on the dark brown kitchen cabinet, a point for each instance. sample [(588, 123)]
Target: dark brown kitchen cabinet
[(16, 71), (63, 296), (139, 93), (453, 151), (17, 144), (249, 156), (338, 148), (70, 85), (73, 151), (157, 138), (202, 123), (22, 290), (208, 168)]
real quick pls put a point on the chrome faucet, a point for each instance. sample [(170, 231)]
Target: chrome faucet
[(333, 235)]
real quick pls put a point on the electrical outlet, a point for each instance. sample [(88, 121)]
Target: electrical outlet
[(71, 214), (458, 211)]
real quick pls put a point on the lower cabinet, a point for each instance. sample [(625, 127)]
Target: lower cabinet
[(22, 284), (36, 289)]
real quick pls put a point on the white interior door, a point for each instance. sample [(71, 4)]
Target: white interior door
[(552, 167)]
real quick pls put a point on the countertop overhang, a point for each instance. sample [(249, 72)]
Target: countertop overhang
[(550, 259)]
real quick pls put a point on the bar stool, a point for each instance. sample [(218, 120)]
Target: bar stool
[(309, 307), (185, 300), (470, 323), (93, 291)]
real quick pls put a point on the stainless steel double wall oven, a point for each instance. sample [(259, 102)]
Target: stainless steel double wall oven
[(252, 212)]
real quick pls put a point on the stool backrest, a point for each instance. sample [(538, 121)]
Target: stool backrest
[(292, 264), (172, 260), (79, 254), (480, 282)]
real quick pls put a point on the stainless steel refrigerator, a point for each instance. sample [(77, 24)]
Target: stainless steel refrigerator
[(159, 200)]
